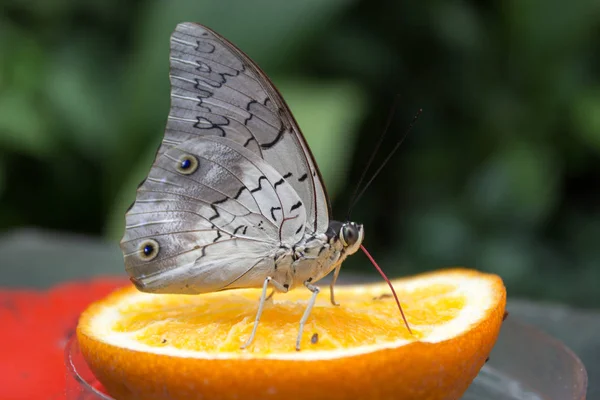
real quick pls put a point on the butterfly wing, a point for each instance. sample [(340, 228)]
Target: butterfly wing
[(217, 90), (211, 210)]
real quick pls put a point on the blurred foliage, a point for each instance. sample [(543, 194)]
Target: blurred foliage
[(500, 173)]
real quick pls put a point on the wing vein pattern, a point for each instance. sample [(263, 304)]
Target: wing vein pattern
[(217, 90)]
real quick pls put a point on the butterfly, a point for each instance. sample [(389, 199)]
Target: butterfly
[(234, 198)]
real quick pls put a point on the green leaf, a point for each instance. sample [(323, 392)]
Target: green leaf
[(510, 256), (22, 126), (518, 185), (439, 235), (81, 92), (2, 176), (458, 25), (586, 114), (22, 64)]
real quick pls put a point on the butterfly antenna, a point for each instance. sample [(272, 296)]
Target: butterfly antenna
[(374, 152), (389, 284), (356, 198)]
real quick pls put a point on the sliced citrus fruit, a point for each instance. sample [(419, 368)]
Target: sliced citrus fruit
[(144, 346)]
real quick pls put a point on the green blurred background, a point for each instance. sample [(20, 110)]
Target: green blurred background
[(500, 173)]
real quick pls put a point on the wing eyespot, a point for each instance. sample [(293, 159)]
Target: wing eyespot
[(149, 249), (187, 164)]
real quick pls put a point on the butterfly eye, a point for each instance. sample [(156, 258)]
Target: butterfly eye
[(187, 164), (149, 249), (349, 235)]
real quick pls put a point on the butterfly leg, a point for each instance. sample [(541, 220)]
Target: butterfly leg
[(332, 284), (315, 291), (263, 298)]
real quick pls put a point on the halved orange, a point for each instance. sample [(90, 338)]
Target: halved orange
[(144, 346)]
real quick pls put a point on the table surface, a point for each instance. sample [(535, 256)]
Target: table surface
[(38, 259)]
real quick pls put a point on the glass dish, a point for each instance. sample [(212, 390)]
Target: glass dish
[(525, 364)]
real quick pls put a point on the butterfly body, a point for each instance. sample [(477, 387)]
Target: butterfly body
[(234, 198)]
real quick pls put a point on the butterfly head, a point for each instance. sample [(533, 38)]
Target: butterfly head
[(351, 236)]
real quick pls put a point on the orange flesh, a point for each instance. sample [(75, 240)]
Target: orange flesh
[(216, 322), (363, 345)]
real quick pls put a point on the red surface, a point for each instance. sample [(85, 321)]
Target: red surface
[(34, 327)]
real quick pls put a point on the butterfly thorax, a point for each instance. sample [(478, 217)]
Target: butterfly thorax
[(316, 255)]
